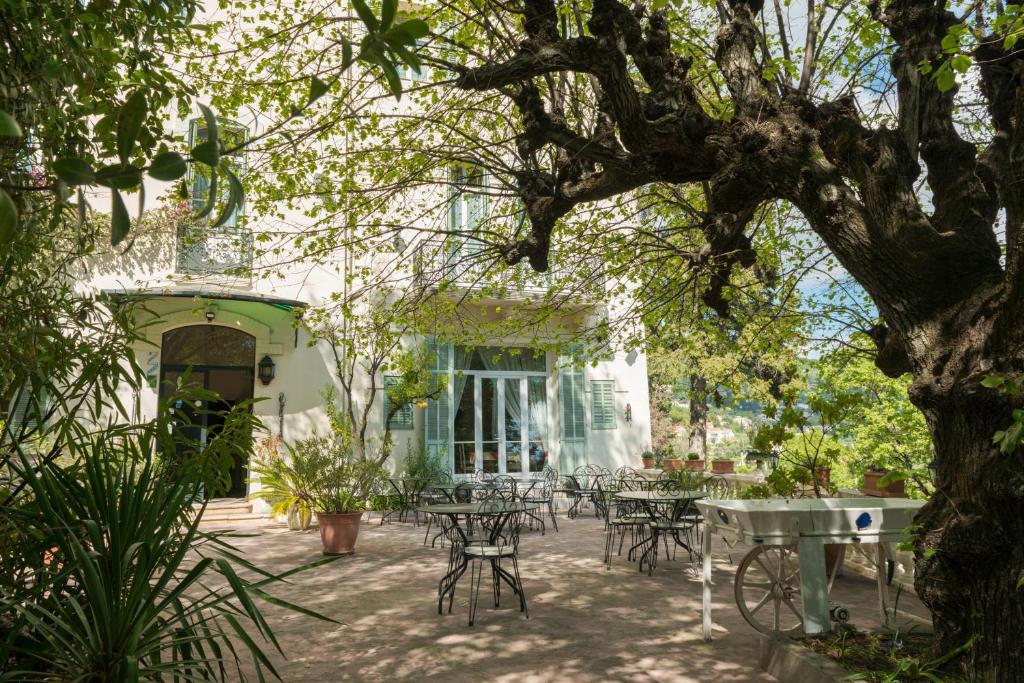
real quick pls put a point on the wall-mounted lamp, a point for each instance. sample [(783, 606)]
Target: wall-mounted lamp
[(629, 414), (266, 370)]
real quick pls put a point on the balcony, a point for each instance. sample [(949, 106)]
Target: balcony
[(437, 264), (204, 251)]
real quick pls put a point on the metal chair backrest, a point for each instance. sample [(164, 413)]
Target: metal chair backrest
[(463, 493), (718, 488), (505, 486), (504, 520)]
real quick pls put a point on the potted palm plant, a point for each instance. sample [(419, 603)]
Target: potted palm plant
[(337, 484), (279, 485)]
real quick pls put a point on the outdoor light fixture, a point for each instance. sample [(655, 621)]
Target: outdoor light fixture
[(773, 458), (629, 413), (266, 370), (211, 312)]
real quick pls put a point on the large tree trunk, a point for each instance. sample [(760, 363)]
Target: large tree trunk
[(698, 437), (970, 551)]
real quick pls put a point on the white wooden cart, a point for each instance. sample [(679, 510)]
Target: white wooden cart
[(782, 584)]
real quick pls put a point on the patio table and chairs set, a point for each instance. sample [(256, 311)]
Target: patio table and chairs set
[(480, 519), (481, 523)]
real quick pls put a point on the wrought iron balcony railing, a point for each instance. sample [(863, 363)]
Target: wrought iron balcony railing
[(444, 262), (203, 250)]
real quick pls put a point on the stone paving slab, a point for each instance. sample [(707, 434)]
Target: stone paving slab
[(586, 623)]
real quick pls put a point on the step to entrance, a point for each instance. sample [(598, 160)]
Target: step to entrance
[(228, 510)]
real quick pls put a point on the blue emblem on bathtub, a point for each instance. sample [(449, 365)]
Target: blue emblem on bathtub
[(863, 520)]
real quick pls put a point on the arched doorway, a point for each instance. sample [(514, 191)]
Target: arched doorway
[(223, 360)]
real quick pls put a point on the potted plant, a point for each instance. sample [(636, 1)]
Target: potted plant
[(694, 463), (648, 459), (723, 466), (880, 482), (336, 483), (279, 486), (669, 461)]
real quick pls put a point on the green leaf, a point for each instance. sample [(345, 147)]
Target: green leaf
[(993, 381), (9, 128), (234, 199), (390, 74), (945, 79), (118, 176), (317, 89), (346, 53), (961, 63), (120, 224), (211, 195), (74, 171), (167, 166), (129, 124), (388, 10), (415, 28), (207, 152), (8, 218), (408, 57), (366, 15)]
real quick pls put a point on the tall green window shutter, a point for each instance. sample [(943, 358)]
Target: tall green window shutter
[(573, 418), (438, 418), (602, 396), (402, 419)]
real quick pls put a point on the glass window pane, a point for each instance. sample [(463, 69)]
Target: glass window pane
[(489, 423), (505, 359), (464, 426), (233, 384), (513, 425), (208, 345), (465, 430), (538, 422)]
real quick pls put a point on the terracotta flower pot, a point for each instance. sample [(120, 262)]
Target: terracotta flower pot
[(339, 531), (694, 466), (648, 463), (723, 466), (895, 489), (670, 464), (299, 518)]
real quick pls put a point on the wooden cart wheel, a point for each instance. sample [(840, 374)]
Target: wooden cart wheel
[(768, 589)]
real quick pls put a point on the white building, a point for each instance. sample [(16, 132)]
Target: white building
[(512, 405)]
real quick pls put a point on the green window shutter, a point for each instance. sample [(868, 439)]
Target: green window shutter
[(602, 396), (437, 428), (573, 419), (402, 419)]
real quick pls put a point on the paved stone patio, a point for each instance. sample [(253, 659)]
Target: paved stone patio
[(586, 623)]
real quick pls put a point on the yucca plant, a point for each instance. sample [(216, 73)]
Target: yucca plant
[(114, 581)]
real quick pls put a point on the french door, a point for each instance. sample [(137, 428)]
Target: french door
[(500, 424)]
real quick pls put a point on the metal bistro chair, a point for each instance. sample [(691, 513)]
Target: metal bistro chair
[(503, 545), (623, 516), (431, 495), (542, 494), (682, 520), (505, 487)]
